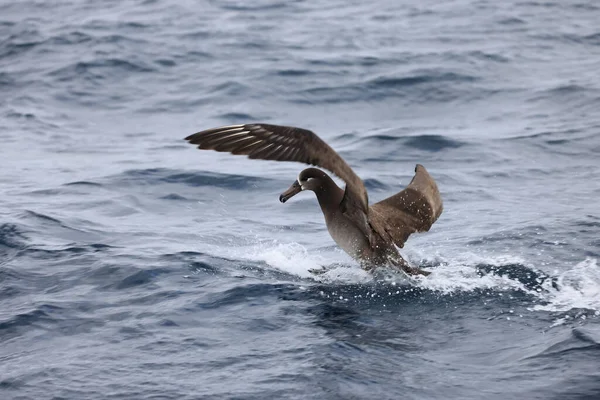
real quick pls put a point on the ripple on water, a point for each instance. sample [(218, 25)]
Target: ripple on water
[(154, 176), (432, 143)]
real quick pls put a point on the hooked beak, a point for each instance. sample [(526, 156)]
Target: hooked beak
[(291, 192)]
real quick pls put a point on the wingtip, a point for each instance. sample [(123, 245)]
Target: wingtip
[(192, 137)]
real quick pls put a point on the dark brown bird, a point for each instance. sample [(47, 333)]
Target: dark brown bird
[(370, 235)]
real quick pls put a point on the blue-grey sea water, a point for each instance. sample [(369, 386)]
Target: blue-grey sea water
[(133, 266)]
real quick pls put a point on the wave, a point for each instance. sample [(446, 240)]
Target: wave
[(11, 236), (99, 69), (375, 185), (154, 176), (577, 340), (419, 86), (432, 143), (577, 288)]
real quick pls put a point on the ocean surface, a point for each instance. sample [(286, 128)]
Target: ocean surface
[(133, 266)]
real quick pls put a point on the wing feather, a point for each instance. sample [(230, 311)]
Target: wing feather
[(282, 143), (414, 209)]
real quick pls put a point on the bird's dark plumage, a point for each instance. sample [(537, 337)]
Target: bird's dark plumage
[(367, 233), (281, 143)]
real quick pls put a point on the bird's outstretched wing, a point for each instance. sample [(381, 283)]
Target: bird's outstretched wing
[(281, 143), (414, 209)]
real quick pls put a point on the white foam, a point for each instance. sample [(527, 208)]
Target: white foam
[(292, 258), (461, 275), (295, 259), (576, 288)]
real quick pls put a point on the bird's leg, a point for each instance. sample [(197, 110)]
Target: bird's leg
[(401, 263)]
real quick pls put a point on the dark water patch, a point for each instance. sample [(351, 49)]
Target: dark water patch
[(293, 72), (204, 267), (44, 219), (108, 25), (379, 293), (11, 384), (84, 183), (139, 278), (404, 297), (19, 115), (194, 55), (592, 222), (593, 39), (165, 62), (486, 56), (100, 69), (586, 6), (156, 176), (48, 227), (152, 299), (183, 255), (16, 49), (124, 277), (199, 263), (133, 26), (382, 137), (55, 192), (579, 341), (197, 34), (140, 135), (334, 313), (12, 326), (252, 295), (536, 135), (19, 41), (123, 40), (264, 5), (6, 80), (566, 89), (432, 143), (419, 78), (8, 273), (571, 93), (70, 38), (345, 137), (531, 279), (237, 117), (174, 197), (11, 237), (375, 185), (168, 323), (47, 318), (229, 88), (422, 87), (569, 38), (542, 4), (68, 253), (511, 21)]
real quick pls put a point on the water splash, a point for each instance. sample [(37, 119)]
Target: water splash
[(463, 275), (295, 259), (576, 288)]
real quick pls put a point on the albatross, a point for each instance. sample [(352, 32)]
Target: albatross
[(369, 234)]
